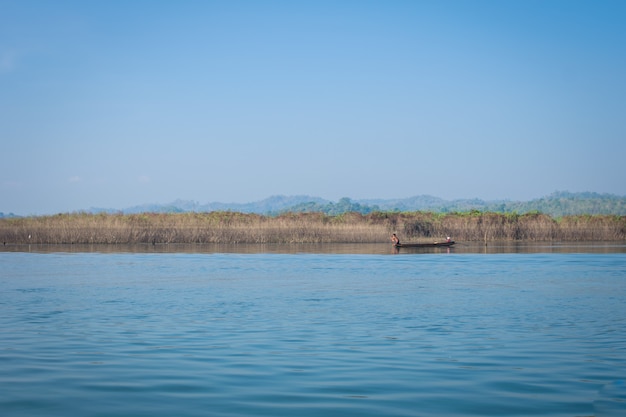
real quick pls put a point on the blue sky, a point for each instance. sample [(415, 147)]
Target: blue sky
[(118, 103)]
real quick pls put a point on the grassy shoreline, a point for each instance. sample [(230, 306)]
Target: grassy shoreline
[(232, 227)]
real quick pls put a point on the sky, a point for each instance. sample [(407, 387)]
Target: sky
[(116, 103)]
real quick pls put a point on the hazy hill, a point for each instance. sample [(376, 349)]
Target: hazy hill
[(271, 204), (7, 215), (562, 203), (556, 204), (430, 203)]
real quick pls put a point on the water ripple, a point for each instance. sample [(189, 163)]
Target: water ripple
[(312, 335)]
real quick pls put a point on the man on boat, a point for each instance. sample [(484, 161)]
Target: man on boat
[(395, 239)]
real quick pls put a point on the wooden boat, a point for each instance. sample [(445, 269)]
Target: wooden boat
[(425, 245)]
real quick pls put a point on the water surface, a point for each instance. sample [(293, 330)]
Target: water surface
[(312, 334)]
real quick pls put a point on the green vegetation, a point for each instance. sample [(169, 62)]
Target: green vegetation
[(345, 205), (556, 205), (350, 227)]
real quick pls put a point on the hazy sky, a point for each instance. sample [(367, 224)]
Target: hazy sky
[(118, 103)]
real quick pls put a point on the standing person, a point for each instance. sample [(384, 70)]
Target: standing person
[(395, 239)]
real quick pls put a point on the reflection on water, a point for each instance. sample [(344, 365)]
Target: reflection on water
[(330, 248)]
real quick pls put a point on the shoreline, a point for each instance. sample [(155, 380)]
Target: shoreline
[(495, 247)]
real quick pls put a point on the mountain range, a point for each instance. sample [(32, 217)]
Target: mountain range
[(557, 204)]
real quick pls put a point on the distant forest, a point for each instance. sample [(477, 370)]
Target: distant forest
[(556, 205)]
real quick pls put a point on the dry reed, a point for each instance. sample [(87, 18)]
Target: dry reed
[(230, 227)]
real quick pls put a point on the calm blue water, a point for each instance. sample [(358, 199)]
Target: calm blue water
[(270, 334)]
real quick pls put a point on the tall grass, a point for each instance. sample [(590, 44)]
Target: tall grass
[(229, 227)]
